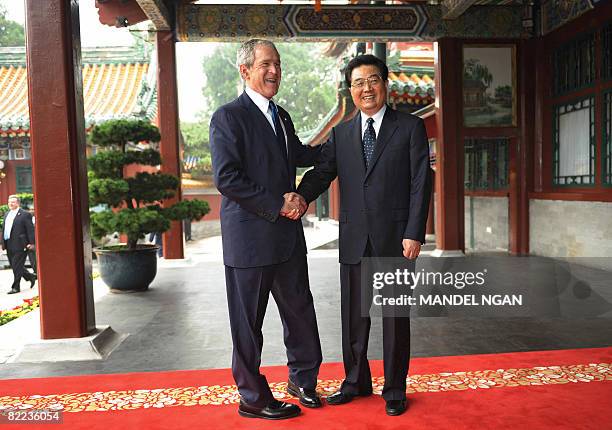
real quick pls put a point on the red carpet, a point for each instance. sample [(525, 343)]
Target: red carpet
[(567, 389)]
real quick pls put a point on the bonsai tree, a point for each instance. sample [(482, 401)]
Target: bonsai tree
[(133, 204)]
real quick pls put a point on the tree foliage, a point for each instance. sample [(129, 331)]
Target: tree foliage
[(137, 200), (120, 132), (11, 32), (196, 138), (478, 72)]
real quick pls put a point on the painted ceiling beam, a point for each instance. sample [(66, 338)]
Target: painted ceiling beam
[(119, 13), (157, 12), (453, 9)]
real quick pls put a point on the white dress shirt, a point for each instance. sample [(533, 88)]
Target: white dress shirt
[(262, 103), (377, 117), (8, 223), (264, 106)]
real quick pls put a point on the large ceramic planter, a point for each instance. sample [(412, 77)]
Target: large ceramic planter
[(126, 270)]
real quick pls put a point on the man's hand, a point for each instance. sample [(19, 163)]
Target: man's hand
[(412, 248), (294, 206), (29, 246)]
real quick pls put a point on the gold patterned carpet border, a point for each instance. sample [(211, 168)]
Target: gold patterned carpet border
[(227, 394)]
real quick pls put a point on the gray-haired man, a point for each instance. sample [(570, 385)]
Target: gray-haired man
[(18, 239), (255, 152)]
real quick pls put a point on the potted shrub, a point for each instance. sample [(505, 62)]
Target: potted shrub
[(132, 205)]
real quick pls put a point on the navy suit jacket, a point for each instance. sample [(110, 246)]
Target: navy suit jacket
[(389, 201), (252, 174)]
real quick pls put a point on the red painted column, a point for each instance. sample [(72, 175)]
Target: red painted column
[(167, 111), (521, 183), (334, 200), (59, 169), (449, 158), (430, 228)]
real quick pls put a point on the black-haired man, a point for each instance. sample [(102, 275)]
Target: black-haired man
[(381, 158)]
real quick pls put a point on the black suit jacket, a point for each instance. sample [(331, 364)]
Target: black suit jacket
[(22, 232), (387, 203), (252, 174)]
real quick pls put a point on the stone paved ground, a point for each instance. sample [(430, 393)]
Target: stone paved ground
[(181, 322)]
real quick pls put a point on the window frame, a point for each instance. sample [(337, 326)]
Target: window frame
[(556, 144)]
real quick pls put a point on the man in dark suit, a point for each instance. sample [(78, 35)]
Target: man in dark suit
[(254, 155), (381, 158), (18, 240)]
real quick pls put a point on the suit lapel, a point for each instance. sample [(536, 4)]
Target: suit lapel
[(258, 116), (356, 142), (387, 129), (4, 224), (282, 116)]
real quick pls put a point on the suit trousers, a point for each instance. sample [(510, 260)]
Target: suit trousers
[(355, 335), (17, 260), (248, 290)]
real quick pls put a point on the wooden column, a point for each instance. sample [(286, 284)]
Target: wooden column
[(431, 227), (334, 200), (521, 178), (167, 111), (59, 169), (449, 167)]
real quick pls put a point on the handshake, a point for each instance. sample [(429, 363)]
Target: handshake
[(294, 206)]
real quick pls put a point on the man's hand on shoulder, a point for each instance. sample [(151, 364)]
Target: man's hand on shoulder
[(294, 206), (412, 248)]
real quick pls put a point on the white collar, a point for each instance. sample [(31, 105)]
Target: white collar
[(14, 210), (377, 117), (260, 101)]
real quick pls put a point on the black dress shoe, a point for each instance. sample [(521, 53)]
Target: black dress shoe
[(13, 291), (308, 398), (275, 410), (33, 279), (396, 407), (339, 398)]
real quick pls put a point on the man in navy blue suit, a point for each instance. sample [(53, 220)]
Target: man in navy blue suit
[(381, 158), (255, 152)]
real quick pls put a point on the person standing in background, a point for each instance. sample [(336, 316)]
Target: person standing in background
[(17, 240)]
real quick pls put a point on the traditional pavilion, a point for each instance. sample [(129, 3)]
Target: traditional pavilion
[(118, 83), (526, 169)]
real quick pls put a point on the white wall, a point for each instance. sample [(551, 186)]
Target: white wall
[(487, 217), (570, 229)]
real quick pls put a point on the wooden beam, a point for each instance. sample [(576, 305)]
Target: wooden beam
[(119, 13), (157, 12), (453, 9)]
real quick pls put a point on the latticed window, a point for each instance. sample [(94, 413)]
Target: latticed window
[(23, 179), (574, 143), (574, 65), (606, 55), (607, 140), (486, 164)]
